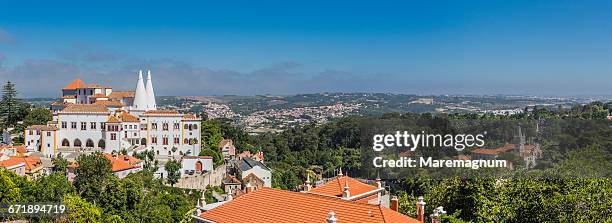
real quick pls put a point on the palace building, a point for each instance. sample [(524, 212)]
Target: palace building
[(94, 117)]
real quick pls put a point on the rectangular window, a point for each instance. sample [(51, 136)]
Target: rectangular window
[(73, 125), (31, 132), (125, 135), (64, 125), (176, 140), (165, 126), (154, 126), (48, 133), (93, 125), (177, 125), (113, 136), (165, 141), (83, 125), (102, 125)]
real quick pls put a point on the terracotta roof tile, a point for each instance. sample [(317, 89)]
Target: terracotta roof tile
[(190, 117), (99, 96), (11, 161), (121, 94), (127, 117), (505, 148), (335, 187), (20, 149), (32, 162), (122, 162), (77, 83), (274, 205), (162, 112), (109, 103), (113, 119), (41, 127), (95, 86), (85, 108)]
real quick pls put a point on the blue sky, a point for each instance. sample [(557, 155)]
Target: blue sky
[(282, 47)]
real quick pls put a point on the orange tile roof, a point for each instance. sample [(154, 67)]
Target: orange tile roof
[(99, 96), (273, 205), (486, 151), (85, 108), (190, 117), (95, 86), (112, 119), (109, 103), (122, 162), (11, 162), (77, 83), (127, 117), (121, 94), (31, 162), (42, 127), (20, 149), (503, 149), (69, 96), (335, 187), (161, 112)]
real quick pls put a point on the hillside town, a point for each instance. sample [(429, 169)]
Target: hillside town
[(120, 125)]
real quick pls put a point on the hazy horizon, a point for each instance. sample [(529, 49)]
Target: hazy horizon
[(554, 48)]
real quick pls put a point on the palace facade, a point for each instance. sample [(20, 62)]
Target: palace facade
[(94, 117)]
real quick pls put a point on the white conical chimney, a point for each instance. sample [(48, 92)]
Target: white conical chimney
[(140, 97), (151, 105)]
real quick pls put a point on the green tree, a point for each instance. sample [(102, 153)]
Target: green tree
[(8, 105), (211, 134), (38, 116), (173, 167), (217, 157), (81, 211), (148, 157), (11, 186), (50, 188), (91, 176), (59, 164)]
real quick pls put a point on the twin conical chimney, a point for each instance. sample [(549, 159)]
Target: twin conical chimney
[(144, 97), (151, 105)]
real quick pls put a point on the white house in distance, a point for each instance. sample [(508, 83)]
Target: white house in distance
[(93, 117), (191, 165), (252, 171), (228, 150)]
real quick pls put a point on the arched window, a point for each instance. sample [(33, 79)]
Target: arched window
[(186, 126), (195, 126), (77, 143), (89, 143), (65, 143), (102, 144), (186, 141)]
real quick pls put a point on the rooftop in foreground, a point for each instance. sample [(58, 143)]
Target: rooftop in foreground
[(273, 205)]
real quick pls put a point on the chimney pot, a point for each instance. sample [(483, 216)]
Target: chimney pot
[(394, 203), (421, 209), (332, 217)]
